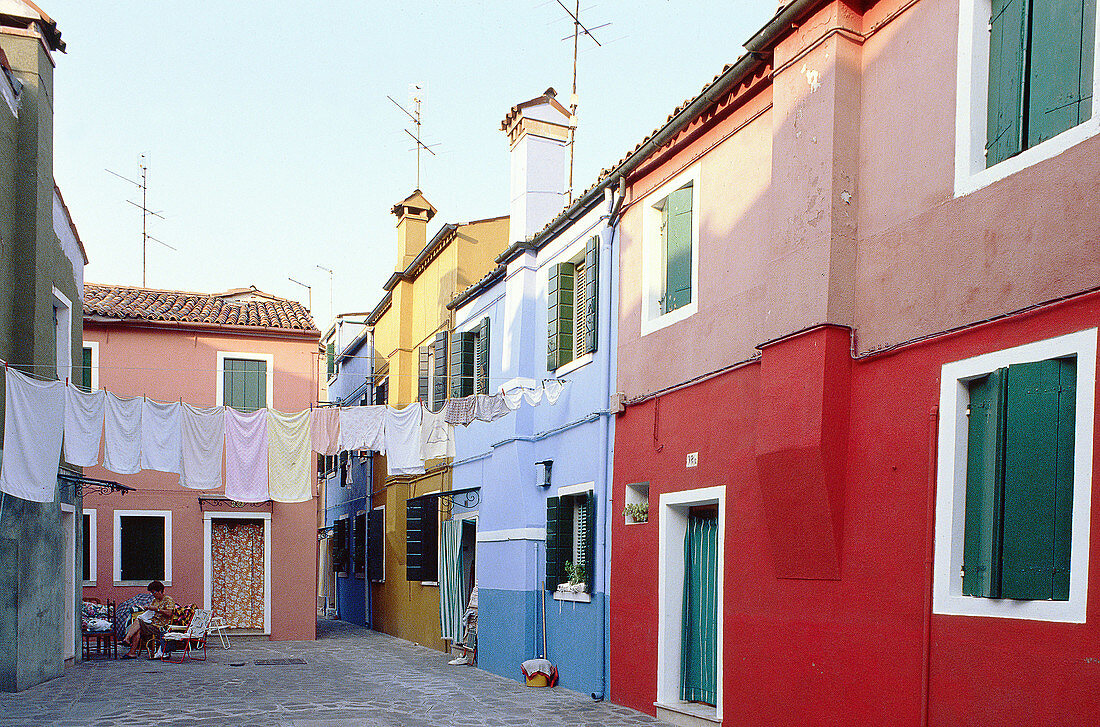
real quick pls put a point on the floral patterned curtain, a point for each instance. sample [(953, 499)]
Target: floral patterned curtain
[(237, 555)]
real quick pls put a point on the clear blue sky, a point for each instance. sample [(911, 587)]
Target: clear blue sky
[(271, 145)]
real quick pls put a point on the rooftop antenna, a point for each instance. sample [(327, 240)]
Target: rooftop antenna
[(578, 30), (417, 93), (143, 185)]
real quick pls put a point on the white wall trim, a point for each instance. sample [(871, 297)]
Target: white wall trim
[(63, 336), (92, 537), (947, 595), (498, 536), (971, 97), (672, 522), (219, 377), (576, 489), (208, 560), (117, 544), (652, 269)]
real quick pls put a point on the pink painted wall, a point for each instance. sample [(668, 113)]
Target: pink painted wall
[(168, 364)]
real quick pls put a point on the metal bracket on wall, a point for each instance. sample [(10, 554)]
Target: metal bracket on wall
[(468, 499), (227, 502), (74, 482)]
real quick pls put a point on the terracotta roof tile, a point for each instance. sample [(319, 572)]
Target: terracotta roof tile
[(265, 311)]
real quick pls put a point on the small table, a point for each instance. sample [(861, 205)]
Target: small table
[(99, 645)]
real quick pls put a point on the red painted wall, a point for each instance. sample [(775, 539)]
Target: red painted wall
[(847, 651)]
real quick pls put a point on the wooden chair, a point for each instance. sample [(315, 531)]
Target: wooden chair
[(100, 644), (192, 637)]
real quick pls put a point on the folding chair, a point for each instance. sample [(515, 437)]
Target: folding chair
[(192, 637)]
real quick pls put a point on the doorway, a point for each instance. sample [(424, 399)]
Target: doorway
[(68, 580), (238, 569)]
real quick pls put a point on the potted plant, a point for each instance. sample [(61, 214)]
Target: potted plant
[(638, 512), (577, 578)]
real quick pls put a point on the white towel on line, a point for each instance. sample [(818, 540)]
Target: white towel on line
[(202, 443), (438, 436), (160, 436), (362, 427), (122, 434), (246, 457), (83, 425), (324, 423), (289, 462), (403, 442), (34, 416)]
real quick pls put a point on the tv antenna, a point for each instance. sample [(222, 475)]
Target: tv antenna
[(417, 93), (143, 185), (579, 29)]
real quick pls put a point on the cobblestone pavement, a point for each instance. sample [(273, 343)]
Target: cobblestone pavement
[(351, 676)]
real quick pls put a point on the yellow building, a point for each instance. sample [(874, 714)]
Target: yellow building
[(412, 328)]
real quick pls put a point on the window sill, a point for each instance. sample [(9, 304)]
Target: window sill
[(143, 582), (656, 323), (573, 365), (88, 584), (341, 574), (571, 596), (430, 583)]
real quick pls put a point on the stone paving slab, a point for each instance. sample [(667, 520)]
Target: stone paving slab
[(352, 676)]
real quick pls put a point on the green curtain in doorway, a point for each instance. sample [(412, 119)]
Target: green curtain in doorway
[(451, 591), (699, 633)]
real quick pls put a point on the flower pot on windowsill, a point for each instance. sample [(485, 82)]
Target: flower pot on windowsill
[(573, 587)]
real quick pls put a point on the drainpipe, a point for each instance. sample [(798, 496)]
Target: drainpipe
[(370, 479), (607, 237)]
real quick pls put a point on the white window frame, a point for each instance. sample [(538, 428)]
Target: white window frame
[(92, 536), (568, 491), (653, 252), (63, 335), (971, 99), (383, 578), (219, 381), (208, 559), (947, 597), (118, 515), (94, 347), (673, 514), (575, 253)]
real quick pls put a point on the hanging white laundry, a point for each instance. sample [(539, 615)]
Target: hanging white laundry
[(438, 436), (488, 408), (34, 416), (363, 427), (202, 443), (122, 434), (83, 425), (460, 411), (553, 389), (324, 423), (403, 440), (520, 388), (289, 470), (160, 436), (246, 456)]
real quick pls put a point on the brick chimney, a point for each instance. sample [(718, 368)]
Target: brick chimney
[(413, 214), (538, 135)]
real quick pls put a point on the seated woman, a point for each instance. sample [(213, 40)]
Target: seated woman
[(151, 622)]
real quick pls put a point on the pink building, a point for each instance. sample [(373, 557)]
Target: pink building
[(254, 564)]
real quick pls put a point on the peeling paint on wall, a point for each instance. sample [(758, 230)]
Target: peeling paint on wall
[(813, 77)]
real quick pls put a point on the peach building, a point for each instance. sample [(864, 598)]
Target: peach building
[(255, 564)]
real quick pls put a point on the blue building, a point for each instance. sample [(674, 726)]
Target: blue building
[(546, 313)]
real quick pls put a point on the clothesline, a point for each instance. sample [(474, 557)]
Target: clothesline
[(266, 452)]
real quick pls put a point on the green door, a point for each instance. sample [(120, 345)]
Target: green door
[(699, 635)]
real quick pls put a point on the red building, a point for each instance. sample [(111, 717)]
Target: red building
[(867, 447)]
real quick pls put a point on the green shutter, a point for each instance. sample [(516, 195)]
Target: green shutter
[(1007, 57), (245, 384), (1060, 71), (439, 388), (559, 316), (421, 528), (699, 619), (481, 358), (589, 545), (984, 487), (86, 373), (462, 364), (677, 218), (330, 359), (591, 292), (1038, 468), (559, 533), (422, 380)]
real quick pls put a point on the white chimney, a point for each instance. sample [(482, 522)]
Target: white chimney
[(538, 134)]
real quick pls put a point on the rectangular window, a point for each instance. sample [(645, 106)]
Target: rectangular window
[(143, 547), (360, 543), (341, 555), (570, 540), (330, 360), (376, 544), (470, 361), (572, 303), (1019, 481), (88, 376), (439, 371), (676, 249), (381, 392), (245, 384), (1040, 72), (422, 538), (88, 569), (670, 251)]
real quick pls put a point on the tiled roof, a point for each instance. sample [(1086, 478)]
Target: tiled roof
[(175, 306)]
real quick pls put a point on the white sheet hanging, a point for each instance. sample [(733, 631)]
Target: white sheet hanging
[(438, 436), (246, 456), (289, 450), (34, 415), (202, 443), (122, 434), (363, 427), (324, 423), (83, 425), (161, 436), (403, 441)]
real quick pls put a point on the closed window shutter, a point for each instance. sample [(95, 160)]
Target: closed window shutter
[(421, 528), (482, 357), (1038, 474), (360, 545), (462, 364), (677, 213), (1060, 68), (984, 487), (340, 546), (376, 541), (330, 359), (422, 376), (1007, 56), (591, 292), (559, 340), (86, 373), (245, 384), (439, 389), (558, 540), (588, 544)]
